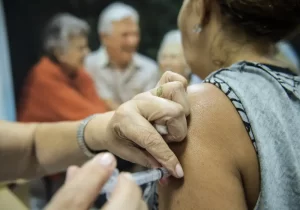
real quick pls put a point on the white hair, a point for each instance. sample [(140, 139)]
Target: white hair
[(115, 12), (60, 28), (173, 37)]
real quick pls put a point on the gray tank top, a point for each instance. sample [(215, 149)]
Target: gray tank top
[(267, 99)]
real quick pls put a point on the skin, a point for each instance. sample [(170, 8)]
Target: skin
[(72, 57), (122, 42), (220, 163)]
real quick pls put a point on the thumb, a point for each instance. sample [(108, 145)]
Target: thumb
[(142, 133), (71, 173), (127, 195), (82, 189)]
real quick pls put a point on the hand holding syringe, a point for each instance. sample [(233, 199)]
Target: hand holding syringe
[(140, 178)]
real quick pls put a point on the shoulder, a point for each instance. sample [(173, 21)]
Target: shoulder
[(93, 58), (246, 73), (215, 155), (83, 77), (145, 62), (212, 110), (45, 69)]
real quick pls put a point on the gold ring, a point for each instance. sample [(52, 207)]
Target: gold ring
[(159, 91)]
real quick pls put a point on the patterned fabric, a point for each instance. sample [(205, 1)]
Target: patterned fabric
[(224, 87), (267, 99)]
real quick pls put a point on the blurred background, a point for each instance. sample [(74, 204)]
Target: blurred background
[(26, 18)]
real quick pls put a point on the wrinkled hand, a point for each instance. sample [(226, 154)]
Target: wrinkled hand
[(134, 137), (84, 184)]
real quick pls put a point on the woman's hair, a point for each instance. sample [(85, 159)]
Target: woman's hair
[(60, 28), (268, 19)]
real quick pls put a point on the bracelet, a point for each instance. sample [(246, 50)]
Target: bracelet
[(80, 137)]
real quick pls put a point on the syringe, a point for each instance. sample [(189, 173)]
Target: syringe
[(140, 178)]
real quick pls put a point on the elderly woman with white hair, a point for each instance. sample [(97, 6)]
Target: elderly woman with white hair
[(58, 88), (171, 57)]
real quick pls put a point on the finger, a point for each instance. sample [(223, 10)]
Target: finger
[(126, 195), (163, 112), (141, 156), (177, 129), (155, 108), (175, 92), (169, 76), (144, 135), (82, 190), (167, 117), (71, 172)]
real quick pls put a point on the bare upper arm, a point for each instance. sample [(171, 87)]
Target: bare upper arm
[(220, 164)]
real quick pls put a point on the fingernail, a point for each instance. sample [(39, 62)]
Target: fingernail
[(179, 171), (105, 159), (128, 176)]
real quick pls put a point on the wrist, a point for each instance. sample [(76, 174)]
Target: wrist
[(96, 135)]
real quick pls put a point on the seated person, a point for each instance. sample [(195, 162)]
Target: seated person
[(118, 70), (57, 88), (243, 147), (171, 57)]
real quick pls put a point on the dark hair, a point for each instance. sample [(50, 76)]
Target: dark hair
[(268, 19)]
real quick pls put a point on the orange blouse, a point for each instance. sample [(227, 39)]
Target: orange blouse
[(49, 95)]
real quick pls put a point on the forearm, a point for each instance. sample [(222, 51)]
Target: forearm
[(30, 150)]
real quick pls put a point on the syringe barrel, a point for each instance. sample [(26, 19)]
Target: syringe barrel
[(111, 183), (140, 178), (145, 177)]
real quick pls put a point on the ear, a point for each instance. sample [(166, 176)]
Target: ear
[(203, 8)]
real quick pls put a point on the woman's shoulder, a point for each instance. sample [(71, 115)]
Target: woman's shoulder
[(45, 71), (250, 71), (257, 83), (215, 156)]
